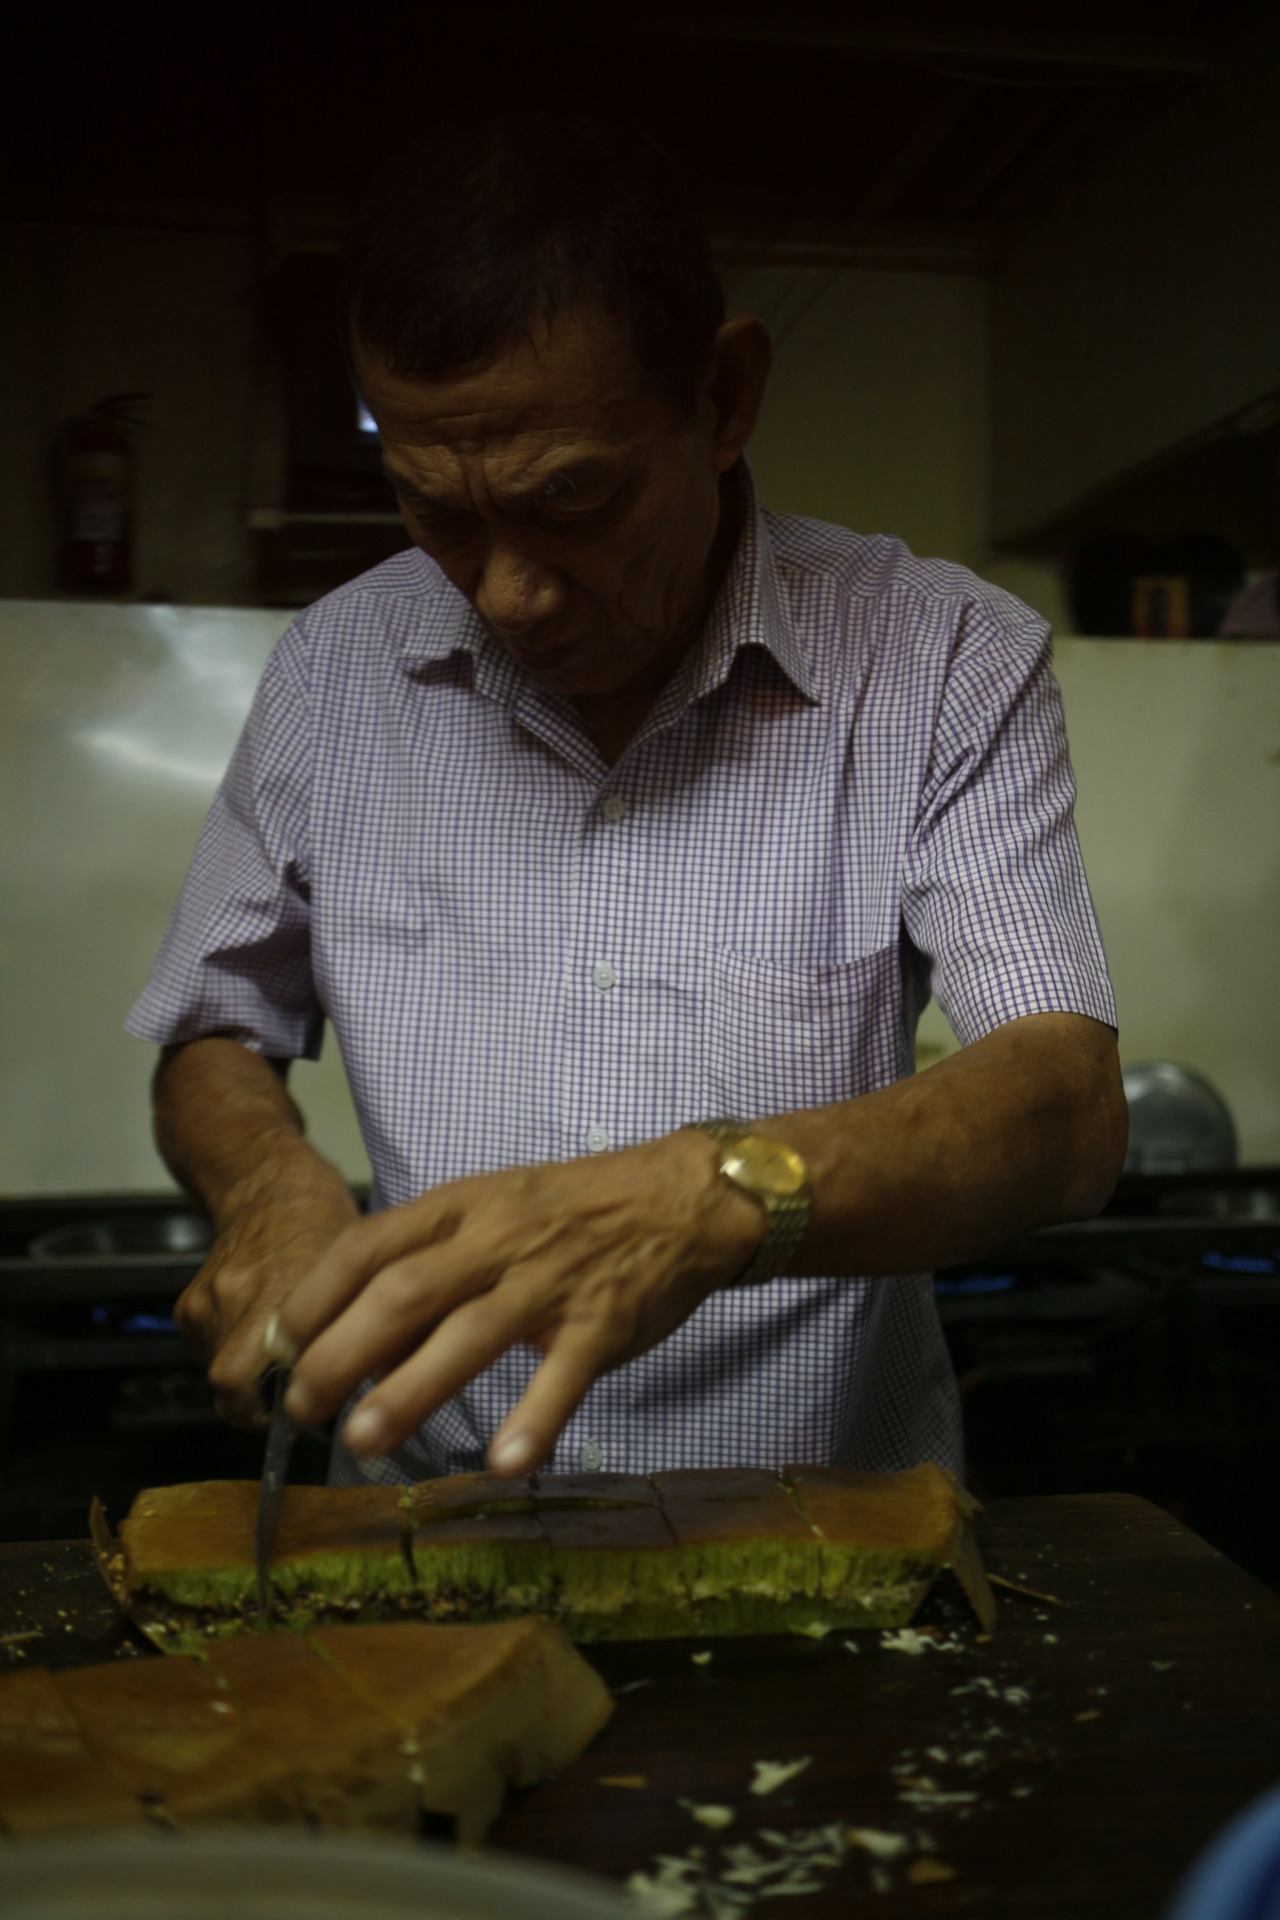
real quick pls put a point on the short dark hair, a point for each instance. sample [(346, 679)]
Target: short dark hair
[(470, 237)]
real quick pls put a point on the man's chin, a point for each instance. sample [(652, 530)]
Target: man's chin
[(544, 662), (576, 669)]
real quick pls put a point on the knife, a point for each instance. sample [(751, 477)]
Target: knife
[(272, 1388)]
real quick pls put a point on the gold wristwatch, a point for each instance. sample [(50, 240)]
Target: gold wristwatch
[(773, 1174)]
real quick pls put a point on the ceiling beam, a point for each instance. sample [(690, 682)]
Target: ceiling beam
[(910, 248), (931, 36)]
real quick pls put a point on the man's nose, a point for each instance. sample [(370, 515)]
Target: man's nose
[(515, 593)]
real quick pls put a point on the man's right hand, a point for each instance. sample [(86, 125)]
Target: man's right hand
[(257, 1259), (231, 1135)]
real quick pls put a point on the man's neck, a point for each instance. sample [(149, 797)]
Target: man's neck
[(614, 719)]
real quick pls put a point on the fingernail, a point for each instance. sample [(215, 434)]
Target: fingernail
[(276, 1343), (366, 1431), (511, 1454)]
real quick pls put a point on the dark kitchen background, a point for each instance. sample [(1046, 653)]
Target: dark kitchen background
[(1023, 272)]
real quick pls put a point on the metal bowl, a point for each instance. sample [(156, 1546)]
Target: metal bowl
[(176, 1233), (1178, 1123), (232, 1874)]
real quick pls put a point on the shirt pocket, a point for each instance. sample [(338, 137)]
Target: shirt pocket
[(783, 1037)]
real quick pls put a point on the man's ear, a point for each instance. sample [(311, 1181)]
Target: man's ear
[(736, 375)]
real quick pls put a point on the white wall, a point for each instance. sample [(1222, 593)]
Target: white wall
[(115, 726), (1177, 753), (1145, 307), (876, 412)]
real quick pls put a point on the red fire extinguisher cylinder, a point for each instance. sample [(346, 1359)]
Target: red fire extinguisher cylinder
[(95, 485)]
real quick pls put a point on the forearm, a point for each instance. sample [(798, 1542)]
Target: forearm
[(231, 1135), (1024, 1128)]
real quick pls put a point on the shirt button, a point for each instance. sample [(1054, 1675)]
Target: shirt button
[(598, 1140), (605, 975), (591, 1456), (614, 809)]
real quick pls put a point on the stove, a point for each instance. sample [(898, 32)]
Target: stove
[(1138, 1352), (99, 1393)]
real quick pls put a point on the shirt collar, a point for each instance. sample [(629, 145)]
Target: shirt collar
[(749, 610)]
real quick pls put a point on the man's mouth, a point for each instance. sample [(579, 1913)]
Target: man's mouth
[(541, 658)]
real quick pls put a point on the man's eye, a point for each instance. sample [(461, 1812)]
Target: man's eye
[(437, 525), (573, 511)]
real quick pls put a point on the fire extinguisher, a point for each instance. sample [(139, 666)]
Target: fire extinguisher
[(94, 481)]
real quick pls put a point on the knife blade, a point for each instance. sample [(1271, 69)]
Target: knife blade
[(275, 1466)]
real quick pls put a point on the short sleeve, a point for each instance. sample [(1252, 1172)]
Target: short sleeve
[(995, 893), (236, 956)]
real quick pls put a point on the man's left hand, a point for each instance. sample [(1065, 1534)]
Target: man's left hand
[(591, 1261)]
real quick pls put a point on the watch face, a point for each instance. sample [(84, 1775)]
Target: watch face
[(765, 1166)]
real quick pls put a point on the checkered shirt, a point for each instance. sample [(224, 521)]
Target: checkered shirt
[(855, 790)]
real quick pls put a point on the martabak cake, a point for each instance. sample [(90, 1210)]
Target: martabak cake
[(609, 1556)]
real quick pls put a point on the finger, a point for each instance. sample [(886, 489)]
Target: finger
[(467, 1341), (359, 1253), (193, 1316), (394, 1314), (578, 1356), (235, 1372)]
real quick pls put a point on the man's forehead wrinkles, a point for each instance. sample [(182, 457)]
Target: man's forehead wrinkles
[(507, 476)]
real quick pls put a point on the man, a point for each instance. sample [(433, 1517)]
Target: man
[(617, 808)]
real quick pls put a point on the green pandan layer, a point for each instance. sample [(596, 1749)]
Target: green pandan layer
[(603, 1582), (221, 1589), (377, 1574), (747, 1568), (483, 1571), (889, 1603), (846, 1572)]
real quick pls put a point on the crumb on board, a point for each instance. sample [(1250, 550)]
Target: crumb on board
[(782, 1864), (709, 1815), (772, 1774), (882, 1845), (701, 1659)]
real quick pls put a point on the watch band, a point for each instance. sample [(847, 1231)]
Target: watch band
[(786, 1205)]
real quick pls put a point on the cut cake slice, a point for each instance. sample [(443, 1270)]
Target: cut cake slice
[(50, 1779), (494, 1566), (885, 1536), (572, 1547), (616, 1573), (184, 1748), (748, 1558), (192, 1547), (359, 1727), (510, 1702)]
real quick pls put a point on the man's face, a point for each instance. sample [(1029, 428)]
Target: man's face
[(565, 498)]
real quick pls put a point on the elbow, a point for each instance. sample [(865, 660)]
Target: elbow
[(1101, 1142)]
